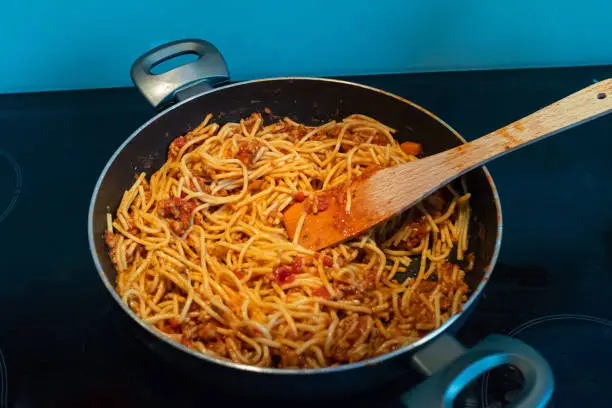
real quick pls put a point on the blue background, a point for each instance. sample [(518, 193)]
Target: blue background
[(50, 45)]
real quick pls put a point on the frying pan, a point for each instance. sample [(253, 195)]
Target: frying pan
[(184, 95)]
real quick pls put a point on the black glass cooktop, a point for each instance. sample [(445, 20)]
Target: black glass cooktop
[(60, 344)]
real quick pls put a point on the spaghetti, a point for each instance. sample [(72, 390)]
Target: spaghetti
[(202, 256)]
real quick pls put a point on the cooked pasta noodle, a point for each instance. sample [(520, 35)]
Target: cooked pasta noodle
[(202, 255)]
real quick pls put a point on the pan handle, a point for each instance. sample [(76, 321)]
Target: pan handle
[(450, 367), (186, 80)]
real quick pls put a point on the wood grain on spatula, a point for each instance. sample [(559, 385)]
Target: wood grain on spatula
[(391, 190)]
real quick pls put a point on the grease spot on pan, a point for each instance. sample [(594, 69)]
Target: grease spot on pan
[(145, 162)]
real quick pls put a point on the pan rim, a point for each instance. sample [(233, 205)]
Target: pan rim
[(488, 269)]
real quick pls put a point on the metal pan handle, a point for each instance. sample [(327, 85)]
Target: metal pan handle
[(451, 367), (186, 80)]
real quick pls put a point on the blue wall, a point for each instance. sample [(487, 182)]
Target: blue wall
[(48, 45)]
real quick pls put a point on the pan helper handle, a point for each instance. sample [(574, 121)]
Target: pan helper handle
[(206, 72), (451, 367)]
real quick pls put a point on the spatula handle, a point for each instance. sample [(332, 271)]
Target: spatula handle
[(582, 106)]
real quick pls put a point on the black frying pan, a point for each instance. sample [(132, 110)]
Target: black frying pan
[(195, 90)]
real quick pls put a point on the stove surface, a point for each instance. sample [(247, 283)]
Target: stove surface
[(59, 341)]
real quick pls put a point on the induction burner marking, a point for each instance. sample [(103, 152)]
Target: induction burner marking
[(517, 330), (11, 181), (3, 382), (525, 326)]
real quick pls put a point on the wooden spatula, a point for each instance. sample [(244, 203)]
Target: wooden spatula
[(393, 189)]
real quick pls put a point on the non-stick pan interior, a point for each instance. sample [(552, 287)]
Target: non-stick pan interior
[(309, 101)]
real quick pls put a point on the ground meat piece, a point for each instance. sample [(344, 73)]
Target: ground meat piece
[(380, 139), (132, 229), (297, 264), (250, 122), (177, 227), (445, 271), (445, 302), (111, 242), (310, 261), (343, 291), (351, 331), (169, 207), (174, 323), (340, 354), (366, 135), (239, 237), (110, 239), (256, 185), (178, 211), (278, 127), (369, 280), (208, 332), (349, 135), (175, 147), (289, 358), (218, 347), (170, 326), (165, 328), (202, 182), (294, 291), (362, 326), (186, 341), (297, 132), (202, 171), (247, 149), (333, 132), (418, 230), (147, 190)]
